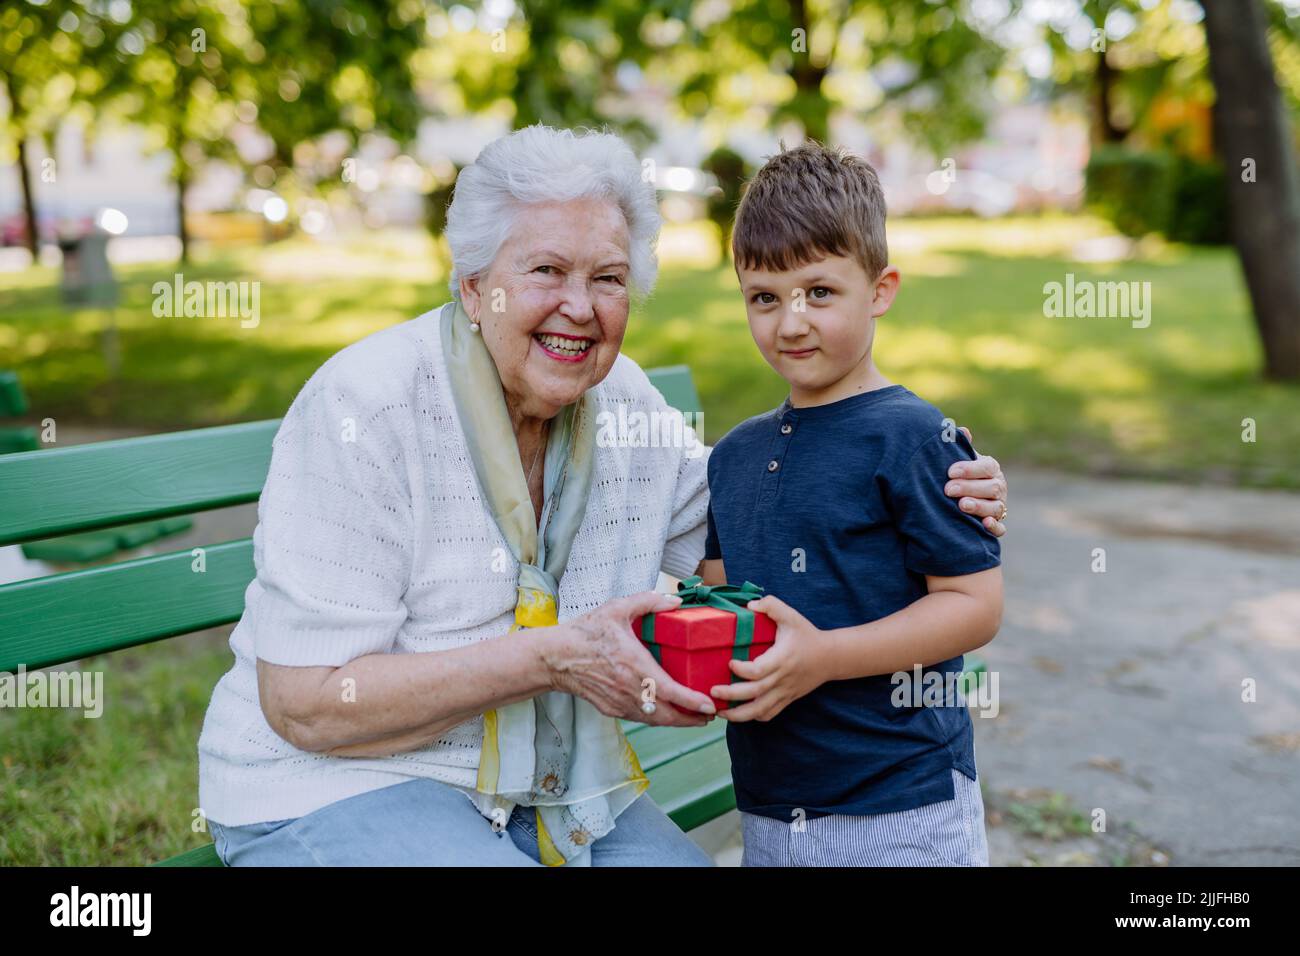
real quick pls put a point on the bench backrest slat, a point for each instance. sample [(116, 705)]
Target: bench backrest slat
[(65, 617), (677, 387), (52, 492)]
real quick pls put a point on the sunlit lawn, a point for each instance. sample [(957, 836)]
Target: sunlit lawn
[(119, 789), (967, 333)]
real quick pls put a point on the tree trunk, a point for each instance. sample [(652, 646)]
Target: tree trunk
[(810, 102), (32, 238), (1253, 138), (1107, 131), (182, 181)]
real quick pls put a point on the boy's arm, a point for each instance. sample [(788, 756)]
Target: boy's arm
[(712, 571), (958, 615), (710, 568), (963, 604), (685, 540)]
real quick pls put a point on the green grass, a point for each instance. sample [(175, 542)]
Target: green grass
[(1051, 818), (121, 788), (967, 333)]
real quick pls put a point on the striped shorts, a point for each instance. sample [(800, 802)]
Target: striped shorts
[(947, 833)]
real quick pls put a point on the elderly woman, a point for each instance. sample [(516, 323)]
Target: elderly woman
[(437, 648)]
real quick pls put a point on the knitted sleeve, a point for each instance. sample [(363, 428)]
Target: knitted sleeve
[(333, 544)]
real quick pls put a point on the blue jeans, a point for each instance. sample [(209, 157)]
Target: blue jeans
[(426, 823)]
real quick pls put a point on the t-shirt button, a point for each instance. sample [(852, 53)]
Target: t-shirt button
[(772, 465), (787, 428)]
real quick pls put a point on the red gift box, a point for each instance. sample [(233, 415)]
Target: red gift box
[(696, 645)]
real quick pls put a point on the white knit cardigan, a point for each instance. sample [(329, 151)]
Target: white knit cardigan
[(373, 538)]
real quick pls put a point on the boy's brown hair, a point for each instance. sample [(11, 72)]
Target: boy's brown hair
[(807, 203)]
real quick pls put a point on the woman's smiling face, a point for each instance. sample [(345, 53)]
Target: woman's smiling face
[(553, 306)]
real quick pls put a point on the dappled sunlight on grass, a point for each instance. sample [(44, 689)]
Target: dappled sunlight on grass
[(1201, 353), (911, 347), (689, 245), (35, 344), (1135, 424), (1014, 236), (938, 385), (394, 255), (1004, 351), (239, 401), (1094, 370), (678, 331), (928, 263), (967, 333)]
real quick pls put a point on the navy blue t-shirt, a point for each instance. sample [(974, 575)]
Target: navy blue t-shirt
[(839, 511)]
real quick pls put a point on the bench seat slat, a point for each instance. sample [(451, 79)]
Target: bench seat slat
[(696, 788), (656, 746), (199, 856), (65, 617)]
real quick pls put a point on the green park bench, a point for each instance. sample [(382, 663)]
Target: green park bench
[(13, 402), (72, 548), (78, 614)]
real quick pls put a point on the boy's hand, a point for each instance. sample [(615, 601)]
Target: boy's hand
[(792, 667)]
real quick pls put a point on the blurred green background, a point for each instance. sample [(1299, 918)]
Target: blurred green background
[(1087, 394)]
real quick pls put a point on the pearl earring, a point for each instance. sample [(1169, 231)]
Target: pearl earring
[(473, 325)]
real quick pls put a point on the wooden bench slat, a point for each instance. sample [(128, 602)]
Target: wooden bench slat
[(132, 479), (65, 617), (677, 387), (199, 856), (656, 746), (82, 547), (13, 400), (57, 491), (696, 788), (87, 546)]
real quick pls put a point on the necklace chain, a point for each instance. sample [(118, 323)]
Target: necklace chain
[(542, 444)]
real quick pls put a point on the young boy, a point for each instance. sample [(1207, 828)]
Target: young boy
[(834, 504)]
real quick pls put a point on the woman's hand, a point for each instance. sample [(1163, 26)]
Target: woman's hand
[(598, 658), (982, 489)]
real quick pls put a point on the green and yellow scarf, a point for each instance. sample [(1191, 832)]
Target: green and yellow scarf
[(556, 753)]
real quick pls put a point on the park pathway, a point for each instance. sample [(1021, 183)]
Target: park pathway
[(1122, 690)]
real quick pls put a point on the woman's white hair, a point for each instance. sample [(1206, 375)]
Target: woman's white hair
[(544, 164)]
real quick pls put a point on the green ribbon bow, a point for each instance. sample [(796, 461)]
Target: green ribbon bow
[(726, 597)]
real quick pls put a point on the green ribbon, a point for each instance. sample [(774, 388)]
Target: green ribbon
[(726, 597)]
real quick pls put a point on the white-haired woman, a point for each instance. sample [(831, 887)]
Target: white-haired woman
[(448, 562)]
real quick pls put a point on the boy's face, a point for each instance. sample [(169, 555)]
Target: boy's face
[(815, 323)]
